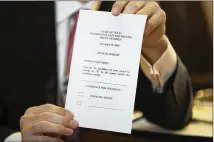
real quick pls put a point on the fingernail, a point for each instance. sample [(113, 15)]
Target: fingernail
[(69, 131), (74, 124), (115, 10), (69, 114)]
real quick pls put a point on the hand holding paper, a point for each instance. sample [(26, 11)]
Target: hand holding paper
[(104, 70), (155, 41)]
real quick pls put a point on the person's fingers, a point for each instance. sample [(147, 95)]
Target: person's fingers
[(74, 124), (158, 19), (154, 36), (118, 7), (48, 108), (47, 127), (149, 9), (46, 116), (43, 139), (52, 135), (133, 7)]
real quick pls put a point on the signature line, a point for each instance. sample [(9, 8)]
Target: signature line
[(103, 82), (106, 108)]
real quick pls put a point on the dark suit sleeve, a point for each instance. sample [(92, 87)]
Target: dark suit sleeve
[(171, 109)]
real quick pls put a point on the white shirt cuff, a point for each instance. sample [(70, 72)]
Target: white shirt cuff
[(15, 137), (162, 70)]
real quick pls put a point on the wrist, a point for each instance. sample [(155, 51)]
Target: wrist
[(152, 52)]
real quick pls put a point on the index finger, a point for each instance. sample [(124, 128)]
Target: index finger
[(118, 7), (48, 108)]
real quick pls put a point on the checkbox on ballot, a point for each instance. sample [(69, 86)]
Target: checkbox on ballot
[(79, 103), (80, 94)]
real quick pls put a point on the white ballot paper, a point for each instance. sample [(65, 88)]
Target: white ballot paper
[(104, 70)]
